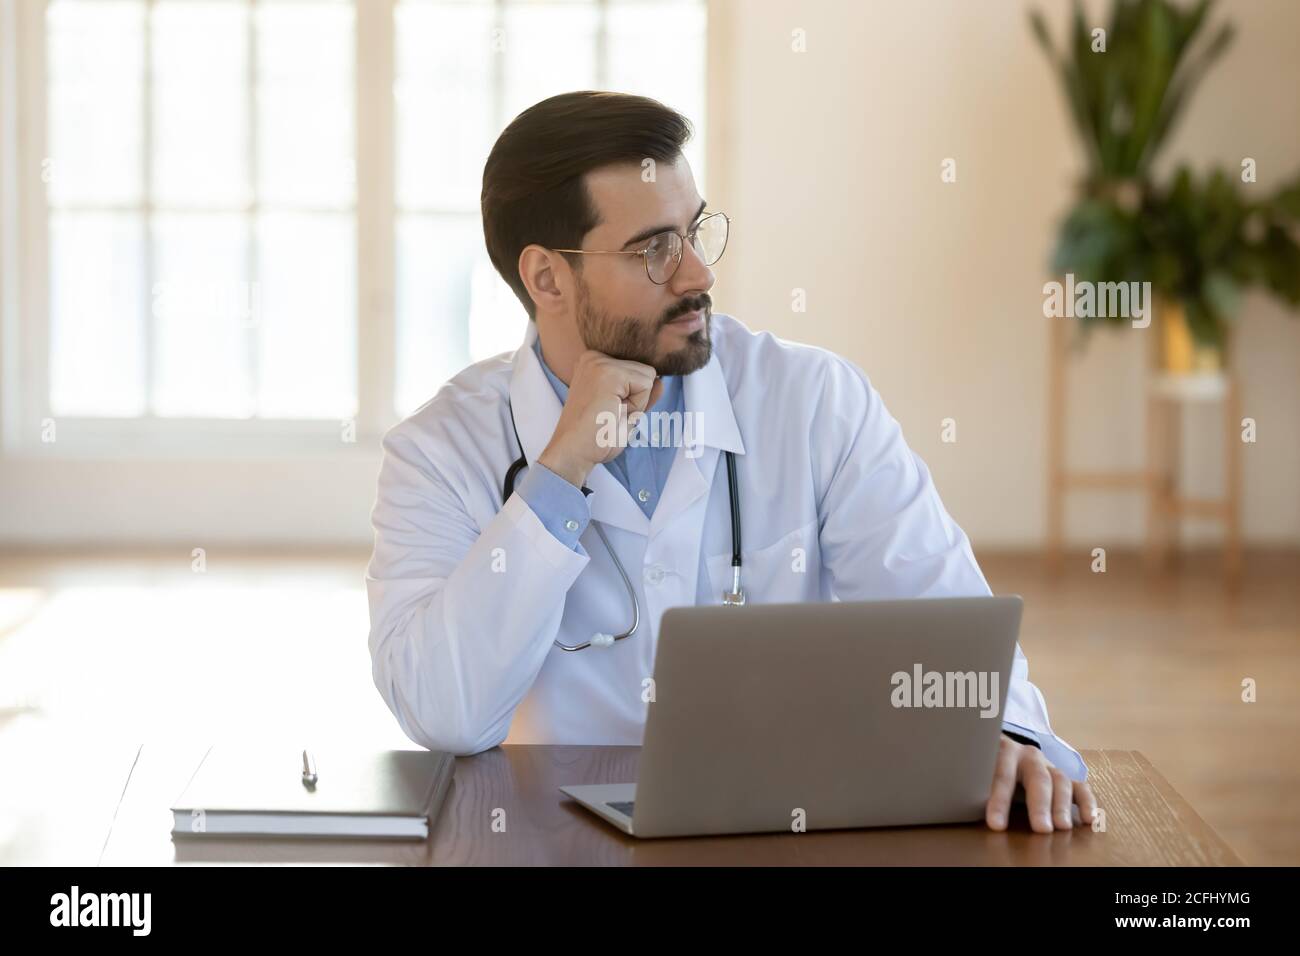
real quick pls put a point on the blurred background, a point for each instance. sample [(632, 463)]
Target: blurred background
[(240, 238)]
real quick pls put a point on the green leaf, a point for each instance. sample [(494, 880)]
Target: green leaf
[(1220, 293), (1182, 87)]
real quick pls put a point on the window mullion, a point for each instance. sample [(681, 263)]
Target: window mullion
[(30, 240), (499, 64), (375, 145), (148, 262), (252, 294), (602, 44)]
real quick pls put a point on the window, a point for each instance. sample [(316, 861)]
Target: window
[(267, 210), (201, 199)]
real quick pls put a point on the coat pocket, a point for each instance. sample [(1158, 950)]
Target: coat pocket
[(786, 571)]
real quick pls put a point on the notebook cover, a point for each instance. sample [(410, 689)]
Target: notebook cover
[(389, 783)]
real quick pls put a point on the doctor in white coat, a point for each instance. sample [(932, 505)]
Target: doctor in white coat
[(623, 399)]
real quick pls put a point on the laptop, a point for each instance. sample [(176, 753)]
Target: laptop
[(789, 717)]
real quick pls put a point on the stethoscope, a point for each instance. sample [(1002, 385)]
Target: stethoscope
[(735, 596)]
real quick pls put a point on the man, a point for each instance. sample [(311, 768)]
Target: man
[(481, 586)]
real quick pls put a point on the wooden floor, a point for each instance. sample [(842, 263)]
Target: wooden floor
[(137, 647), (1156, 662)]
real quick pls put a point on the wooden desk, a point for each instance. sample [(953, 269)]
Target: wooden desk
[(1148, 824)]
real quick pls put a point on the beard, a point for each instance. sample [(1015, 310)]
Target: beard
[(637, 340)]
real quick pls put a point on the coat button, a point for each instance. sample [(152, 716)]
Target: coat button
[(654, 574)]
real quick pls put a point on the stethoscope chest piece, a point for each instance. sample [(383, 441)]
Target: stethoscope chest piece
[(736, 596)]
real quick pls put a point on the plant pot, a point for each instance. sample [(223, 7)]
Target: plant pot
[(1180, 353)]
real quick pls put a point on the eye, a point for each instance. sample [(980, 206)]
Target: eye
[(658, 246)]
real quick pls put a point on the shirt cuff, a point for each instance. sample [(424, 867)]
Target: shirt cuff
[(1057, 753), (1021, 735), (560, 505)]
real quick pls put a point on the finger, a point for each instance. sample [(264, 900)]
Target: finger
[(610, 446), (1038, 791), (656, 393), (627, 416), (1086, 801), (640, 388), (634, 417), (633, 367), (1004, 783), (618, 375), (1062, 794), (624, 369)]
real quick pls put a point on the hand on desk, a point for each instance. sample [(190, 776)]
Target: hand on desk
[(1048, 791)]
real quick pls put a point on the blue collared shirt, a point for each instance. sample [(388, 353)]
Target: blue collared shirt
[(640, 468)]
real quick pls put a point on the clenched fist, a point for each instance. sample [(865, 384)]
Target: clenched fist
[(603, 390)]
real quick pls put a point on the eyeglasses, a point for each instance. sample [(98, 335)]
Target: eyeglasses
[(663, 253)]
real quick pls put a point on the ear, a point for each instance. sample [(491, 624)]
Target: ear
[(545, 275)]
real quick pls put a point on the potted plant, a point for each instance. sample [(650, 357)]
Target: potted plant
[(1198, 241)]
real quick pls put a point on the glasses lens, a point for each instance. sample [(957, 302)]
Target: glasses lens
[(711, 238), (662, 256)]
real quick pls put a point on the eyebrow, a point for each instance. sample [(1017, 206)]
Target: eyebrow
[(655, 230)]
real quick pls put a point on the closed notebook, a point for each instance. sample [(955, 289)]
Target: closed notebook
[(241, 791)]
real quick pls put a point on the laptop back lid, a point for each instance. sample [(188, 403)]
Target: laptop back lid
[(776, 717)]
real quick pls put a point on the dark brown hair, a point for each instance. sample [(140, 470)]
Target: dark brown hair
[(533, 186)]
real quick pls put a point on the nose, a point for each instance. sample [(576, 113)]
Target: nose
[(692, 275)]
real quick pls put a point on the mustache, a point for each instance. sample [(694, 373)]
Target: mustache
[(701, 302)]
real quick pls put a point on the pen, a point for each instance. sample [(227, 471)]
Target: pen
[(308, 770)]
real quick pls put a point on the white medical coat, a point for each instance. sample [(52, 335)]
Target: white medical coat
[(467, 595)]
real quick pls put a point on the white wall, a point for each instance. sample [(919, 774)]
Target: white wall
[(829, 160), (831, 168)]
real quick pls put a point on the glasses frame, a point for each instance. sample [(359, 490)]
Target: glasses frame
[(667, 232)]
